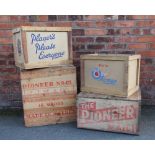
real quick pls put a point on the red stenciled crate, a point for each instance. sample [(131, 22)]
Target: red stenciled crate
[(49, 95), (106, 113)]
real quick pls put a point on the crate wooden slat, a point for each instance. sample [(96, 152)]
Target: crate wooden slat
[(110, 74), (49, 95), (39, 47), (107, 113)]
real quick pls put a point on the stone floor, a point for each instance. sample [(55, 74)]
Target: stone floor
[(12, 127)]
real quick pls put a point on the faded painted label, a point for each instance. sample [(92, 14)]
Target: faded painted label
[(47, 46), (105, 75), (108, 115), (102, 73)]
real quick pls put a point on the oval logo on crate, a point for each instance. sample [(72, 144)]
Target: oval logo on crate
[(102, 73)]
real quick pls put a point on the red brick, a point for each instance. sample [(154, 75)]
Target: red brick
[(104, 39), (113, 32), (96, 32), (77, 32), (146, 31), (15, 25), (63, 24), (152, 45), (152, 31), (136, 17), (6, 26), (2, 62), (105, 24), (49, 24), (9, 70), (4, 18), (149, 75), (5, 33), (43, 18), (146, 61), (136, 31), (11, 62), (84, 24), (10, 77), (147, 68), (116, 46), (125, 31), (145, 23), (124, 23), (94, 17), (15, 18), (6, 55), (6, 48), (78, 47), (6, 40), (137, 46), (95, 46), (84, 39), (124, 39), (43, 24), (151, 16), (146, 39), (147, 53)]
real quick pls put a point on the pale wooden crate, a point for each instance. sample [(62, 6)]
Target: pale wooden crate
[(49, 95), (107, 113), (33, 44), (110, 74)]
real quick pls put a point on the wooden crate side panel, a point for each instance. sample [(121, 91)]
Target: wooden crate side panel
[(46, 116), (134, 97), (82, 74), (126, 78), (138, 71), (70, 58), (46, 64), (132, 74), (25, 50), (105, 92), (45, 46), (104, 76), (50, 99), (47, 72), (18, 48), (108, 115)]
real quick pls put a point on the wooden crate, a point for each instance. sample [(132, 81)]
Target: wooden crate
[(110, 74), (108, 113), (49, 95), (38, 47)]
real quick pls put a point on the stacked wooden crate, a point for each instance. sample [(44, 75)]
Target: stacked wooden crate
[(110, 97), (48, 78)]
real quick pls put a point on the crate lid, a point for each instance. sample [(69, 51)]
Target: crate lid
[(110, 56)]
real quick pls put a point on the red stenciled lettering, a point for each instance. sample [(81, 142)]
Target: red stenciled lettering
[(131, 112), (88, 105), (127, 112)]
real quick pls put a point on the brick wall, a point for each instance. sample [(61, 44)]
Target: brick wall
[(104, 34)]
